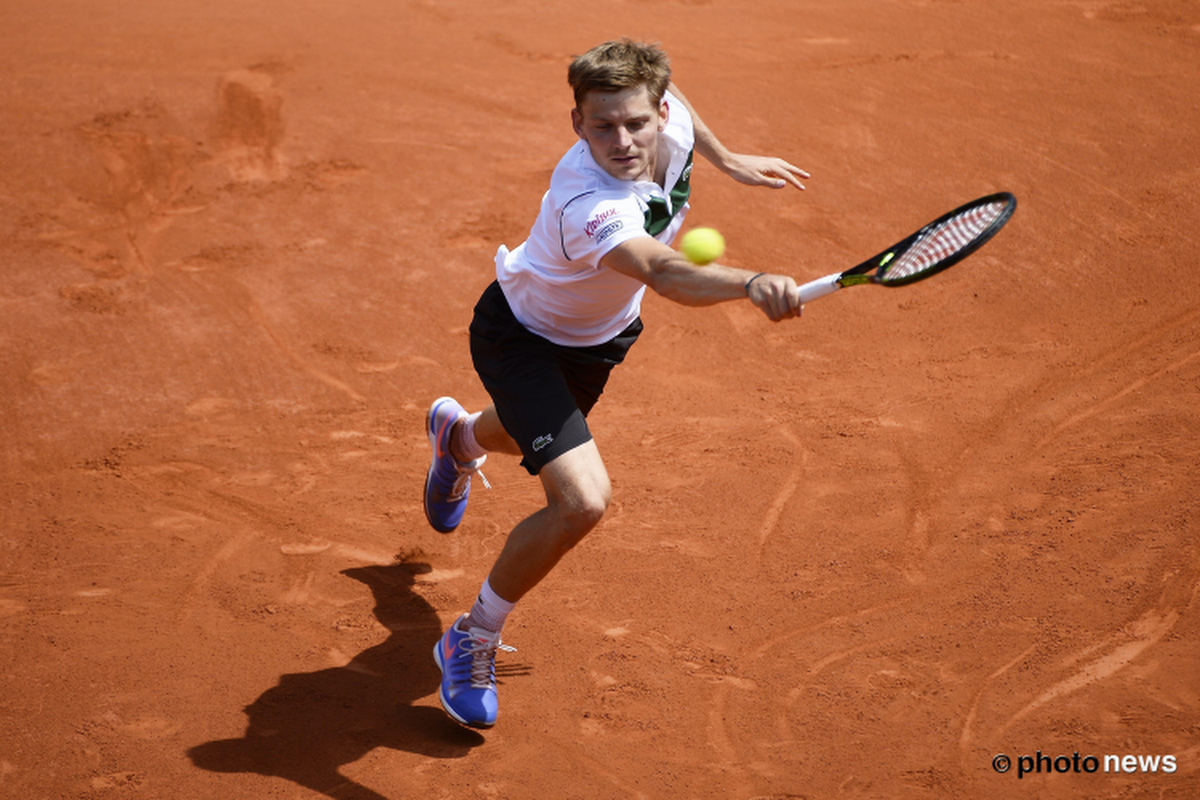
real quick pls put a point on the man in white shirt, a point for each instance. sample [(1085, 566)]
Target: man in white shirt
[(562, 313)]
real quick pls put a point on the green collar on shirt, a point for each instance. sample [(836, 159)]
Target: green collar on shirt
[(658, 215)]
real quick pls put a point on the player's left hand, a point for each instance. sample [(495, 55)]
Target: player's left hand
[(765, 171)]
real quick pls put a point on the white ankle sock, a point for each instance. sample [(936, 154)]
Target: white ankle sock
[(465, 444), (490, 610)]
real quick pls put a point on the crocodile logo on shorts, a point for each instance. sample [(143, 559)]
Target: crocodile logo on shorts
[(542, 442)]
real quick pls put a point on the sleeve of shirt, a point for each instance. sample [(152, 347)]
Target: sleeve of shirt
[(593, 224)]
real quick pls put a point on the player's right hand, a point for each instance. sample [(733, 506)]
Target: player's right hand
[(777, 296)]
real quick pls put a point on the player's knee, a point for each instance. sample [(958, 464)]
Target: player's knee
[(578, 491), (583, 512)]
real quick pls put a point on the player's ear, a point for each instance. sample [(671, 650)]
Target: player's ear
[(577, 122), (664, 114)]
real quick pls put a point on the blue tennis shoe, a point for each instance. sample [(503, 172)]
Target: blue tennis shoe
[(448, 482), (467, 660)]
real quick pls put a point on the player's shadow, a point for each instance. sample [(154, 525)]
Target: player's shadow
[(311, 724)]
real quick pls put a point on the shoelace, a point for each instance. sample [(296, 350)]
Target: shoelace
[(462, 476), (482, 653)]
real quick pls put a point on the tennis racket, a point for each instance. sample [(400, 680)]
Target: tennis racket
[(942, 243)]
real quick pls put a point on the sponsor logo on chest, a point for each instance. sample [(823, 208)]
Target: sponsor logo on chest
[(595, 222)]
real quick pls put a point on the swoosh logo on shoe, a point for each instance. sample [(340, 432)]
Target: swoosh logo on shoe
[(440, 452), (438, 436)]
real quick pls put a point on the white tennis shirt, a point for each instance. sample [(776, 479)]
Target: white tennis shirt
[(554, 281)]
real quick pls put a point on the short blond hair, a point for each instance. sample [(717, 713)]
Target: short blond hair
[(618, 65)]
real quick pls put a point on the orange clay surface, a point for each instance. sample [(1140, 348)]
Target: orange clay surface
[(856, 555)]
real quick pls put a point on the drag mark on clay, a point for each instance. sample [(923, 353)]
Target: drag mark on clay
[(718, 739), (775, 642), (1142, 634), (1112, 400), (796, 693), (841, 655), (771, 518), (224, 553), (256, 313), (719, 718), (1132, 351), (1100, 660), (965, 739), (784, 496), (607, 775)]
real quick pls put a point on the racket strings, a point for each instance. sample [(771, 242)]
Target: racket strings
[(942, 241)]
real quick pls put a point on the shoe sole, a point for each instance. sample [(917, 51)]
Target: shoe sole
[(437, 657)]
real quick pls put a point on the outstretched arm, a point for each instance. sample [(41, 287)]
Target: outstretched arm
[(671, 275), (751, 170)]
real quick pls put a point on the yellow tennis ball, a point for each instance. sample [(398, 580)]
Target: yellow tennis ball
[(702, 245)]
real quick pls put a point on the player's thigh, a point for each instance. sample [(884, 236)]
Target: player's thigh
[(577, 482), (578, 474)]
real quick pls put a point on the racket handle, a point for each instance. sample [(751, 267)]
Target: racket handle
[(819, 288)]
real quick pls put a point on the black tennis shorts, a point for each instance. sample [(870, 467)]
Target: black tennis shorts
[(542, 391)]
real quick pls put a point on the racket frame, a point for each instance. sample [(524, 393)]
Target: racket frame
[(866, 271)]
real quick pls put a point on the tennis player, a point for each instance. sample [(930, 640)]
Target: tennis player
[(563, 311)]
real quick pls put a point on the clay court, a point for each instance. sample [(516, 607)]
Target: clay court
[(855, 555)]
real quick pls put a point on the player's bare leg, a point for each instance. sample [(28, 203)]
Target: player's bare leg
[(578, 492)]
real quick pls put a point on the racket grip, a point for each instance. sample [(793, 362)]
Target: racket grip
[(819, 288)]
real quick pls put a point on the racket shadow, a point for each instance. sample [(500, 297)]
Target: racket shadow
[(309, 725)]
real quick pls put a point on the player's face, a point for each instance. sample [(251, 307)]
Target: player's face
[(621, 129)]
